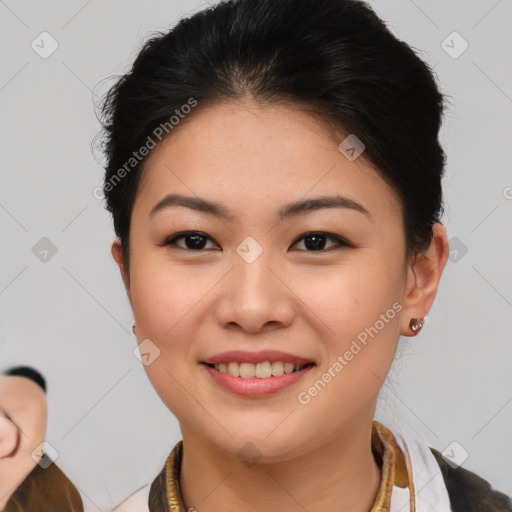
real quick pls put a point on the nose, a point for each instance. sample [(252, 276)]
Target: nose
[(255, 298)]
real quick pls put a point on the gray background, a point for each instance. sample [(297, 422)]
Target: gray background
[(69, 315)]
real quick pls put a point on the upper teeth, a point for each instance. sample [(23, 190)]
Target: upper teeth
[(261, 370)]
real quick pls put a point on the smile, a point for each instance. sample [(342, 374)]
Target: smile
[(259, 380), (262, 370)]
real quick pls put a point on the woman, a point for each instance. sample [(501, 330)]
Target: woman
[(274, 176)]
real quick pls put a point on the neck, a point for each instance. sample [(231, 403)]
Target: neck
[(341, 474)]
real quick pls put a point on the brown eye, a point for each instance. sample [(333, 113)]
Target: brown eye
[(313, 241), (316, 241), (193, 240)]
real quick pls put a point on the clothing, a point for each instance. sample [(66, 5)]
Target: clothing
[(414, 477), (45, 490), (469, 492)]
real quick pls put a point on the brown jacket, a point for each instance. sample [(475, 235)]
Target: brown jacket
[(45, 490), (469, 492)]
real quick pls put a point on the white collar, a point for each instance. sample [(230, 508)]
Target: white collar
[(430, 490)]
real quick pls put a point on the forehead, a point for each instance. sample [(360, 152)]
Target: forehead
[(14, 389), (246, 151)]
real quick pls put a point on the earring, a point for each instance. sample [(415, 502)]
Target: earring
[(416, 324), (133, 329)]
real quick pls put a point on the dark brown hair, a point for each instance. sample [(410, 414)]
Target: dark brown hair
[(335, 57)]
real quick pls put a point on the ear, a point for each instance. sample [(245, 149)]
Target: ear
[(8, 438), (117, 253), (423, 276)]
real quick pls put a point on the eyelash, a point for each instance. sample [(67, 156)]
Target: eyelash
[(171, 241)]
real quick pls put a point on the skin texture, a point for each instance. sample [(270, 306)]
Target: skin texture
[(25, 402), (193, 303)]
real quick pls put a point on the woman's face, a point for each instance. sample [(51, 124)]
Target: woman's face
[(254, 280)]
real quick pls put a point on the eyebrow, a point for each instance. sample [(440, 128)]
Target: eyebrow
[(289, 210)]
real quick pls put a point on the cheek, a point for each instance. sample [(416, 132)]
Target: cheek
[(162, 294), (166, 302), (359, 310), (351, 296)]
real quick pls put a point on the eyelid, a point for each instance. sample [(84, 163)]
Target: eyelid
[(181, 234), (337, 238), (340, 241)]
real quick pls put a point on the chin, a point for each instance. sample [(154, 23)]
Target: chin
[(262, 445)]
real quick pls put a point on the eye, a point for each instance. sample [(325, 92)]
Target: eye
[(194, 240), (315, 241)]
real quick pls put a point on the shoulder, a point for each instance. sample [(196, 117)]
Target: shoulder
[(46, 487), (469, 492), (136, 502)]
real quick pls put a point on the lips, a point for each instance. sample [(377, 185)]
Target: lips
[(257, 374), (271, 356)]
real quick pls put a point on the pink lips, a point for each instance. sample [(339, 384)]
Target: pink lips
[(256, 357), (256, 387)]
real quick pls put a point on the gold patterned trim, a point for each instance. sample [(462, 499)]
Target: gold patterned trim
[(394, 464), (395, 468), (172, 480)]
